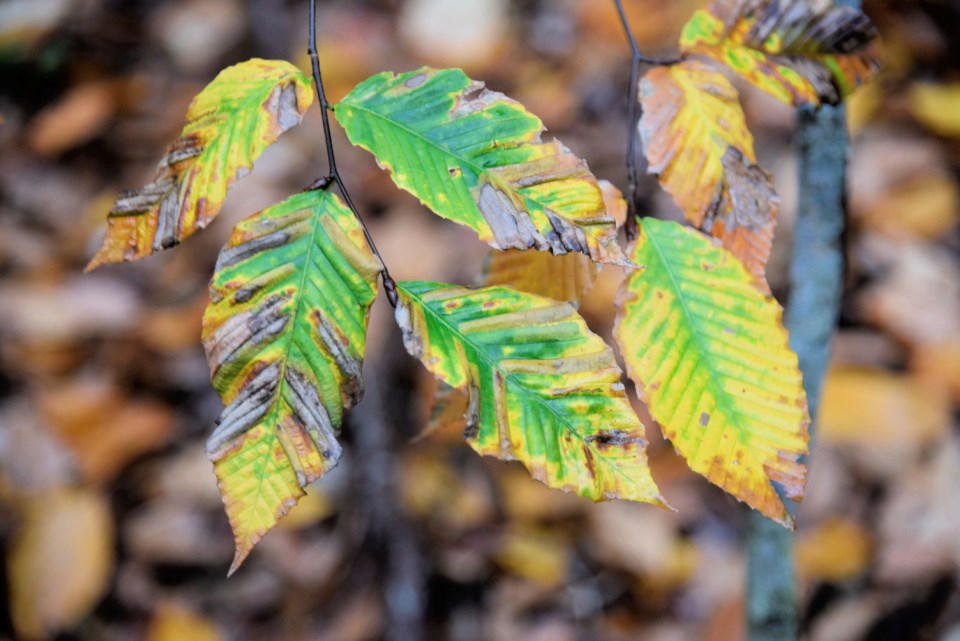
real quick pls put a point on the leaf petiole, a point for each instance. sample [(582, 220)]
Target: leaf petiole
[(389, 285)]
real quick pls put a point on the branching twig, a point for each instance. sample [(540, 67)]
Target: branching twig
[(638, 58), (334, 176)]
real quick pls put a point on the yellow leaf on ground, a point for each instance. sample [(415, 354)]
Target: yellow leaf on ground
[(536, 555), (937, 107), (837, 550), (176, 622), (872, 407), (60, 562)]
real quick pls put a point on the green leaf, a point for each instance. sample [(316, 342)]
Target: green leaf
[(709, 354), (229, 124), (284, 334), (475, 157), (542, 388)]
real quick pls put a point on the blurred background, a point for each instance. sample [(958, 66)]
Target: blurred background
[(111, 523)]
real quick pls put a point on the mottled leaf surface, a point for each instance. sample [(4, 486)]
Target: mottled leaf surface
[(229, 124), (794, 50), (541, 388), (475, 156), (284, 335), (709, 354), (696, 140)]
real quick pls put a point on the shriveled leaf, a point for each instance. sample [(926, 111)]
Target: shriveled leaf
[(475, 156), (710, 357), (229, 124), (697, 142), (542, 388), (563, 278), (795, 51), (284, 335)]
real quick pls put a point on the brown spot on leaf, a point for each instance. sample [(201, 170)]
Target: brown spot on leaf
[(611, 438), (704, 419), (588, 457)]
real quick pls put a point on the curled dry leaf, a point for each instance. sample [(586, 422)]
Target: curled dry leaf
[(563, 278), (795, 51), (229, 124), (709, 354), (541, 387), (475, 156), (697, 142), (284, 335)]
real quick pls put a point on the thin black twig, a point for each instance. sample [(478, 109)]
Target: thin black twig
[(389, 285), (638, 58)]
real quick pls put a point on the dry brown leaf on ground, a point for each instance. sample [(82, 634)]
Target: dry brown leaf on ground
[(916, 293), (78, 117), (926, 206), (104, 430)]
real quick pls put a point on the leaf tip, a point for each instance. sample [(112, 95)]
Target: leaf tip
[(240, 555)]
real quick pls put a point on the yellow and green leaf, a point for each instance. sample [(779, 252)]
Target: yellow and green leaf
[(541, 387), (284, 335), (794, 51), (229, 124), (709, 354), (475, 156), (696, 140)]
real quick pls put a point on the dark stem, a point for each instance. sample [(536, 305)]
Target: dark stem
[(637, 58), (816, 281), (388, 283)]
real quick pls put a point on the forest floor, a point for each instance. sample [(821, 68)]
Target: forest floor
[(110, 518)]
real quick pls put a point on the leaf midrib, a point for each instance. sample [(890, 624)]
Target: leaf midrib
[(509, 376), (478, 169), (723, 398), (273, 416)]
